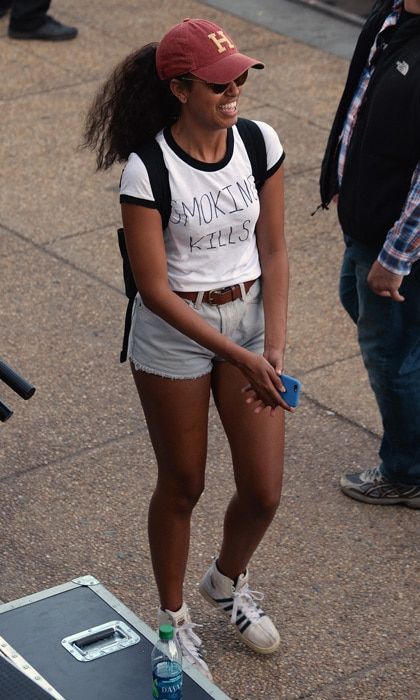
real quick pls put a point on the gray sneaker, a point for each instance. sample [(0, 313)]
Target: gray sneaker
[(371, 486)]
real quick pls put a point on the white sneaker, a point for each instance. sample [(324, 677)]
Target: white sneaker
[(251, 623), (188, 640)]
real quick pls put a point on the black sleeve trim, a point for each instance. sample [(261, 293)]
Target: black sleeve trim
[(276, 166), (128, 199)]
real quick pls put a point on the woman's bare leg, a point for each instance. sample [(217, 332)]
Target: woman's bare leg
[(257, 446), (176, 412)]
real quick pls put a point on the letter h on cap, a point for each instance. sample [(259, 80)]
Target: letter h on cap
[(219, 41)]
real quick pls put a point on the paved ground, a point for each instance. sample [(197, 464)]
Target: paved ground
[(76, 467), (358, 7), (298, 19)]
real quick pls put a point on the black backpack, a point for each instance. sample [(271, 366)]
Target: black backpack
[(152, 157)]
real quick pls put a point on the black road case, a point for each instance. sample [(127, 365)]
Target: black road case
[(16, 684), (87, 645)]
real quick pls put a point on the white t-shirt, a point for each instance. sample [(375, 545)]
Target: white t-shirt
[(210, 238)]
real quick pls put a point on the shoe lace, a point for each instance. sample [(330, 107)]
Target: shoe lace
[(245, 600), (190, 642), (373, 475)]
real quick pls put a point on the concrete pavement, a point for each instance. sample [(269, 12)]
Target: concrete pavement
[(299, 19), (76, 466)]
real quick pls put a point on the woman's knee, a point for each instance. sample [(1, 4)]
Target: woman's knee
[(262, 503), (180, 494)]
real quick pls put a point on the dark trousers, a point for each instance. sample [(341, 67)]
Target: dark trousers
[(26, 15)]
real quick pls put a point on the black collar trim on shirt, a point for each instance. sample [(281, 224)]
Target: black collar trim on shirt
[(198, 164)]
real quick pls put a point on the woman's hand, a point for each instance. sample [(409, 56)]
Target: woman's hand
[(275, 357), (265, 384)]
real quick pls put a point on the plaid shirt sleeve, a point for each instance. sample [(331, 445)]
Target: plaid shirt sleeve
[(402, 244)]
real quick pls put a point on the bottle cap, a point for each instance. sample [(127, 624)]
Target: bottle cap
[(166, 632)]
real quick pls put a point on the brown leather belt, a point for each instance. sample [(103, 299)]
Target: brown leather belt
[(217, 297)]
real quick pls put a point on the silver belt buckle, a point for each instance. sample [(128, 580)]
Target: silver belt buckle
[(221, 291), (211, 292)]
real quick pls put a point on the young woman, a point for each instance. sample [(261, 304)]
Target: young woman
[(210, 315)]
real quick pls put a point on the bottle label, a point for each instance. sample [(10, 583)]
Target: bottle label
[(167, 682)]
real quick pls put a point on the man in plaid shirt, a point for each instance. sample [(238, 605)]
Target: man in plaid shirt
[(371, 168)]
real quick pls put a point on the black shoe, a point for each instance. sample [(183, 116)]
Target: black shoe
[(51, 30)]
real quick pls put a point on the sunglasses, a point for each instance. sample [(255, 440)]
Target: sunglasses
[(219, 88)]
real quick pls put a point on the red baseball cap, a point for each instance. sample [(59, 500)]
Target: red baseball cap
[(202, 48)]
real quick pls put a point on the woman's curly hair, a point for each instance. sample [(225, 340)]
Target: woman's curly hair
[(130, 108)]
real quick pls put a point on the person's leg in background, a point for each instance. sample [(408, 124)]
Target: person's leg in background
[(348, 287), (29, 20), (5, 6), (389, 338), (27, 15)]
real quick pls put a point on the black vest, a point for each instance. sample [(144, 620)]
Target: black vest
[(385, 145)]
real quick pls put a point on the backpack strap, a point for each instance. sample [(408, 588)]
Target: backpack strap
[(130, 292), (152, 157), (253, 139)]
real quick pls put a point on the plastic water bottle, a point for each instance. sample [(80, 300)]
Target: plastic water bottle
[(167, 666)]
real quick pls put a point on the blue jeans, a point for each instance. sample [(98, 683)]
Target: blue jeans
[(389, 339)]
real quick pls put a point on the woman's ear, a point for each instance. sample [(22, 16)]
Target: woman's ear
[(179, 89)]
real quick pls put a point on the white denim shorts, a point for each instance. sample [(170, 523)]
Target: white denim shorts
[(156, 347)]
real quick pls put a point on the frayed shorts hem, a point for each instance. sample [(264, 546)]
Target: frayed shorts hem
[(155, 347), (165, 375)]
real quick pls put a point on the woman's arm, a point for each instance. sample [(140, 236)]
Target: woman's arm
[(146, 251), (274, 270), (274, 266)]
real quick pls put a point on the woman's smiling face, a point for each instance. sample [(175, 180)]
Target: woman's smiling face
[(209, 109)]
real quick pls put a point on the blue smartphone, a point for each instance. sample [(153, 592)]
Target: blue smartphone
[(292, 386)]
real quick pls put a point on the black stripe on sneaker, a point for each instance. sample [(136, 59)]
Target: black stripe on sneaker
[(245, 625)]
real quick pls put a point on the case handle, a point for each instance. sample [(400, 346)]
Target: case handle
[(98, 641)]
